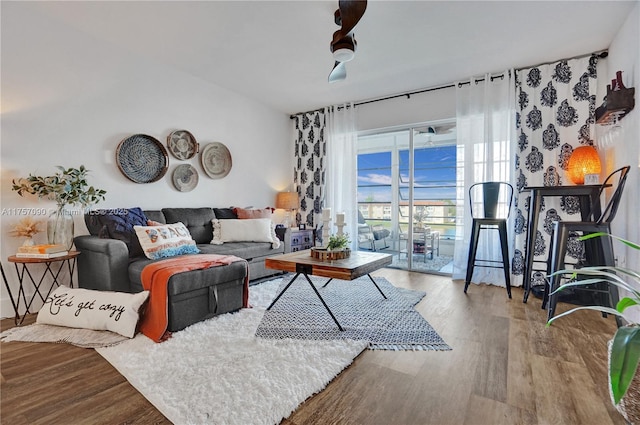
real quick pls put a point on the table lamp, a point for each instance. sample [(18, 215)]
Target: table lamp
[(584, 161), (287, 201)]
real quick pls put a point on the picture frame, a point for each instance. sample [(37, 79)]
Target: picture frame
[(302, 226)]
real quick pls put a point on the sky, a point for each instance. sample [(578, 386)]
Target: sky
[(434, 167)]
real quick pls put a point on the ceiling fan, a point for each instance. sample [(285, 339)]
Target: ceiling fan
[(445, 131), (436, 129), (343, 45)]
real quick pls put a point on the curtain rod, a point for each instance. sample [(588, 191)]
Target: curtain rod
[(364, 102), (602, 54), (479, 80)]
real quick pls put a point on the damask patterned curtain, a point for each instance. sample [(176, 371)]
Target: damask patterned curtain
[(310, 164), (556, 104)]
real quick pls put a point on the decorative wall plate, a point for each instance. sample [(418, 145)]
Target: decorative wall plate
[(216, 160), (182, 144), (185, 178), (142, 158)]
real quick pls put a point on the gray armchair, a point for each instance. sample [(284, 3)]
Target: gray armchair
[(369, 236)]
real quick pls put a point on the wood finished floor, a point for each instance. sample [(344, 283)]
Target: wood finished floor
[(505, 368)]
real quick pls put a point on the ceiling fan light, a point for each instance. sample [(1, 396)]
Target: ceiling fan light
[(343, 54)]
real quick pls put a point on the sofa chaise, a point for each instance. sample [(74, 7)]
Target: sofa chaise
[(111, 259)]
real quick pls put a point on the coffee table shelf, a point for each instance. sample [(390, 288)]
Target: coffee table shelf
[(357, 265)]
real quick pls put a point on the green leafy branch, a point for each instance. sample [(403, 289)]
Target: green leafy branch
[(339, 241), (67, 187)]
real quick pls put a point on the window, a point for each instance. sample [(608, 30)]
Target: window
[(374, 179), (384, 184), (410, 174), (434, 187)]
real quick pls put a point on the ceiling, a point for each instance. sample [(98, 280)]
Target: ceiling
[(278, 52)]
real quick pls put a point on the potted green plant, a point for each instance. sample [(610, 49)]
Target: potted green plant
[(337, 242), (67, 187), (625, 345), (337, 248)]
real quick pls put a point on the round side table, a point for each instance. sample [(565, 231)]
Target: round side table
[(22, 268)]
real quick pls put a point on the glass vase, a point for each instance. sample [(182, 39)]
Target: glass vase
[(60, 228)]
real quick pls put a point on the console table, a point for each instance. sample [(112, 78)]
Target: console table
[(22, 268), (301, 239), (588, 195)]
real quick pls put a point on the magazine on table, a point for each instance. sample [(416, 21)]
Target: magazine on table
[(41, 249), (42, 255)]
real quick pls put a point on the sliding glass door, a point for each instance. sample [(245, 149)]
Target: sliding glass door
[(406, 191)]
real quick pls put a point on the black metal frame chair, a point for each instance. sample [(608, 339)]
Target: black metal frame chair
[(598, 251), (491, 219)]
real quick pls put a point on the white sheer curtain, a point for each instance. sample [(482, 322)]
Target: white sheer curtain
[(341, 184), (485, 125)]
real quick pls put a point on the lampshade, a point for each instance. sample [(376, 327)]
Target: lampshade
[(287, 201), (584, 160)]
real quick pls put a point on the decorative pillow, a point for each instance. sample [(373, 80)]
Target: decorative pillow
[(245, 213), (247, 230), (165, 241), (117, 312), (224, 213), (118, 224)]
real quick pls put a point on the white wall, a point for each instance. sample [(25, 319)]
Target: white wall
[(69, 99), (430, 106), (624, 55)]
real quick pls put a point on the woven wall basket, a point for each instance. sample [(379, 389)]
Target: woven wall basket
[(142, 158)]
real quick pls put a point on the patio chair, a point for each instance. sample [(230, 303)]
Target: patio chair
[(368, 235)]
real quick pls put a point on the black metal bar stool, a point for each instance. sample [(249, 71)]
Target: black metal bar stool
[(598, 251), (490, 208)]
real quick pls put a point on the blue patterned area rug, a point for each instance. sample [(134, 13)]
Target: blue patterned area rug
[(387, 324)]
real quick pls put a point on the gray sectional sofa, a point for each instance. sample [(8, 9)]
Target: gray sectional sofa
[(110, 260)]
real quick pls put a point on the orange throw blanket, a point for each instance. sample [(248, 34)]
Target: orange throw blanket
[(155, 279)]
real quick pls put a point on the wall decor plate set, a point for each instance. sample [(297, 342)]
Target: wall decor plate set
[(182, 144), (143, 159), (216, 160)]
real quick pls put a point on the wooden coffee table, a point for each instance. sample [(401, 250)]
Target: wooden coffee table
[(301, 262)]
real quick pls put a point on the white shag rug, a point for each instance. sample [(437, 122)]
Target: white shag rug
[(218, 372), (83, 338)]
